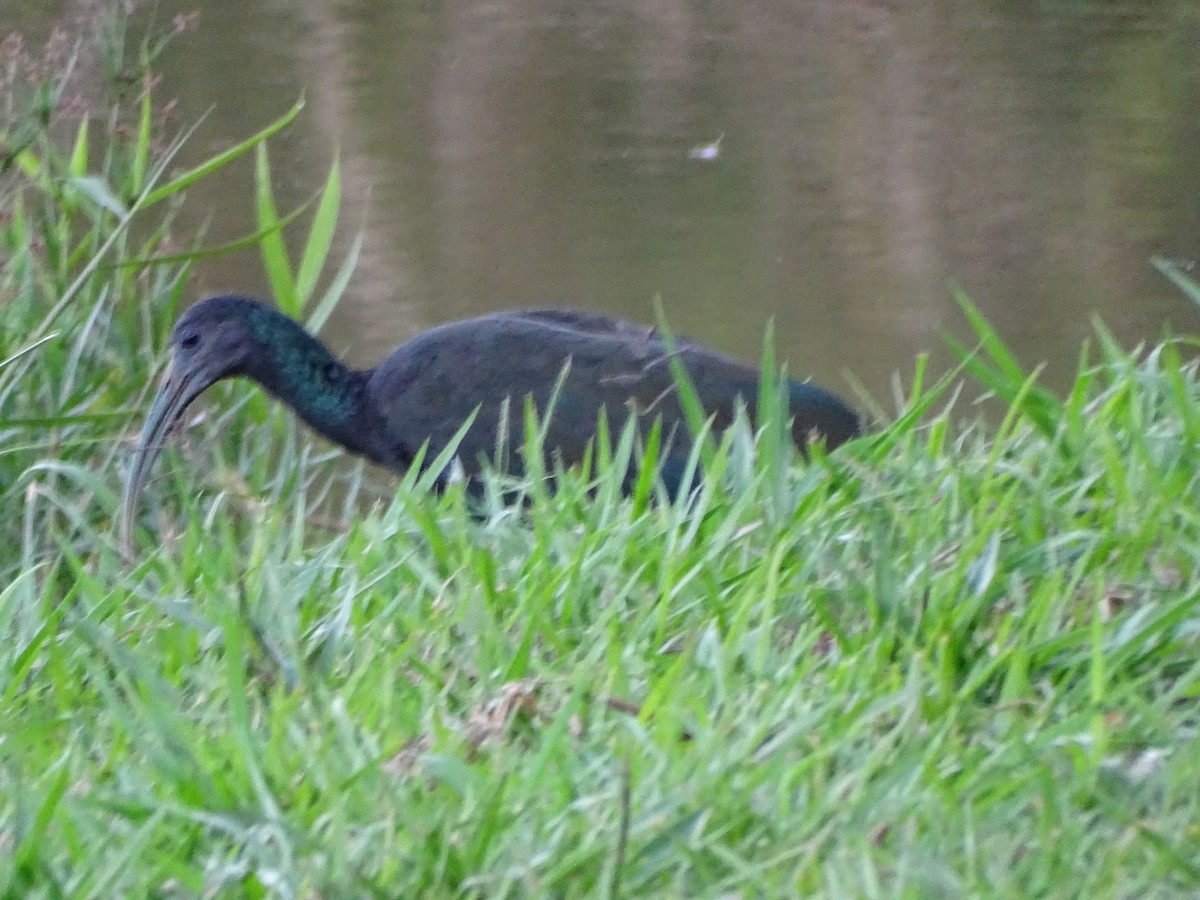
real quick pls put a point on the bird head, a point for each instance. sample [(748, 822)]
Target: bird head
[(212, 340)]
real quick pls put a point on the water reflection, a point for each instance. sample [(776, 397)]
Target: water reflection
[(511, 154)]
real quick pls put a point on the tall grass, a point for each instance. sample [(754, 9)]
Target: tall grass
[(949, 659), (94, 274)]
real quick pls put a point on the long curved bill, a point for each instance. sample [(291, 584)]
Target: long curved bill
[(176, 390)]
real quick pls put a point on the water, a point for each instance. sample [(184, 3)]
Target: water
[(836, 166)]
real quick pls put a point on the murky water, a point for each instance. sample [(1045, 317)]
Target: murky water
[(833, 165)]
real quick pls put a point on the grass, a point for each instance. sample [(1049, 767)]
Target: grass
[(953, 658)]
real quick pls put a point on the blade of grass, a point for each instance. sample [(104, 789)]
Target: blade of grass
[(191, 176), (1174, 273), (320, 236), (272, 248)]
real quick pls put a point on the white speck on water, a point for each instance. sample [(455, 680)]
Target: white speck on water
[(707, 151)]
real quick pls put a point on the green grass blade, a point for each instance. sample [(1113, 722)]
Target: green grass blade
[(77, 167), (1175, 274), (141, 150), (320, 236), (337, 285), (100, 194), (220, 160), (242, 243), (272, 248), (28, 349)]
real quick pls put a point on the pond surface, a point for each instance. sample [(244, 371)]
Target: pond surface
[(836, 166)]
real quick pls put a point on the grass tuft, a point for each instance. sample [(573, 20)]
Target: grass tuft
[(951, 658)]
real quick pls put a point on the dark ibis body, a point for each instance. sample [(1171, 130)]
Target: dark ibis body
[(428, 387)]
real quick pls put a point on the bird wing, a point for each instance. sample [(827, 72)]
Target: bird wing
[(587, 322), (429, 386)]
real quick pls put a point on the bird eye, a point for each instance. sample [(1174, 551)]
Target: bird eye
[(189, 341)]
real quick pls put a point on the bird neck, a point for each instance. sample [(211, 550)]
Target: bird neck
[(299, 370)]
